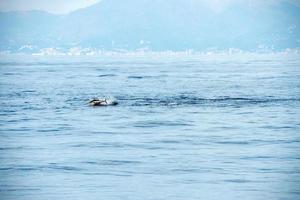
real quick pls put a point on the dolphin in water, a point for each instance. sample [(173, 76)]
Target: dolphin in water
[(102, 102)]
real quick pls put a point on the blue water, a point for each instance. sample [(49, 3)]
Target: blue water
[(188, 128)]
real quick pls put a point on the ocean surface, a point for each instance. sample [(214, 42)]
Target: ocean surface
[(186, 127)]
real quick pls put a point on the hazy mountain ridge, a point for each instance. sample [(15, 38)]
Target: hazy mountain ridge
[(156, 25)]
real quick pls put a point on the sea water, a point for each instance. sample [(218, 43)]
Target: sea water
[(186, 127)]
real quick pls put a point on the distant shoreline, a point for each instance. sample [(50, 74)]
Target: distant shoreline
[(77, 51)]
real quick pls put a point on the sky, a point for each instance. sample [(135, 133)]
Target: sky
[(66, 6), (51, 6)]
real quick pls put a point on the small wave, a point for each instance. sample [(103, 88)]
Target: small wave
[(135, 77), (150, 124), (142, 77), (50, 166), (114, 162), (193, 100), (28, 91), (239, 181), (107, 75), (11, 74)]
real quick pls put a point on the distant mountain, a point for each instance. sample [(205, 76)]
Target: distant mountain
[(156, 25)]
